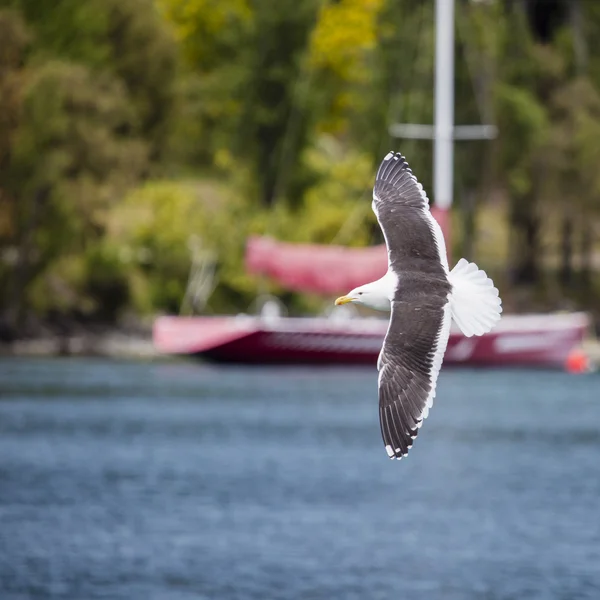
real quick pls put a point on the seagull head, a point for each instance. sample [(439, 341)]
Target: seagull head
[(372, 295)]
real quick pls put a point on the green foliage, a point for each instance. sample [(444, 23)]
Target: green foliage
[(573, 146), (70, 146), (337, 209), (136, 134), (124, 38), (150, 230), (255, 109), (523, 122), (14, 36), (344, 32), (157, 228), (69, 162)]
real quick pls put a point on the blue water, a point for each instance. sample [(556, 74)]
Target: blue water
[(180, 481)]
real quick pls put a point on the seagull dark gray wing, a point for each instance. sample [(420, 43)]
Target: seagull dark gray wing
[(414, 239), (409, 365)]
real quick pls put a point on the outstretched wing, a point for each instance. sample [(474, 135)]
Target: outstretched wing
[(409, 365), (413, 237)]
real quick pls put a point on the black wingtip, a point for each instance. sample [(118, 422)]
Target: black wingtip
[(391, 166)]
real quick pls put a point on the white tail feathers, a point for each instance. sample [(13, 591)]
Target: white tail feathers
[(474, 301)]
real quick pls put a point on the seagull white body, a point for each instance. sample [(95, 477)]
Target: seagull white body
[(423, 296)]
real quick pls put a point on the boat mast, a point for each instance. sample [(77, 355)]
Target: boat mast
[(443, 156), (443, 132)]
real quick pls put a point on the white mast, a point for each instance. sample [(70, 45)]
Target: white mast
[(443, 132), (443, 159)]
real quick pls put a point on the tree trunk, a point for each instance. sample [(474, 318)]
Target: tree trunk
[(529, 266), (580, 49), (525, 230), (26, 249), (579, 42), (566, 268), (587, 247), (469, 205)]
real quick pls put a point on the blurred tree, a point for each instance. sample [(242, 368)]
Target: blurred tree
[(14, 36), (144, 57), (149, 232), (523, 123), (284, 107), (70, 159), (126, 38), (373, 65), (350, 74), (85, 113), (479, 29), (573, 164), (581, 60), (250, 57), (276, 116)]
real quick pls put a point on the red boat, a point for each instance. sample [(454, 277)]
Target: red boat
[(518, 340)]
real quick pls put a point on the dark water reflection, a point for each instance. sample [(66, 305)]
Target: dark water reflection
[(177, 481)]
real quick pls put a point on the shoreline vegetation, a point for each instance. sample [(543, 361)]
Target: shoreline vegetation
[(111, 344), (109, 341), (141, 138)]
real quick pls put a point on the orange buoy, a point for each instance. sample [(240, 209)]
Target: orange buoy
[(577, 361)]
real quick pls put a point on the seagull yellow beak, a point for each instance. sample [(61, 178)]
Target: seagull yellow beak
[(343, 300)]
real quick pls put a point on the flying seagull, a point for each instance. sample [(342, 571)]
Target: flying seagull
[(423, 296)]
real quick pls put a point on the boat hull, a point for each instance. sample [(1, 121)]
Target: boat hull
[(519, 340)]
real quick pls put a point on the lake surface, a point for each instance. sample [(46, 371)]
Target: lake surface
[(179, 481)]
